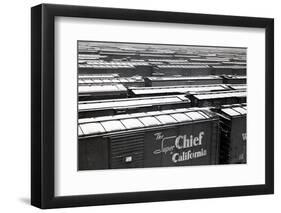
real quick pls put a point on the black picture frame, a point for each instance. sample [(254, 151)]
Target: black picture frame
[(43, 102)]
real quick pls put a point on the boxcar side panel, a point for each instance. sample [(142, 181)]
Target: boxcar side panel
[(93, 153), (238, 140)]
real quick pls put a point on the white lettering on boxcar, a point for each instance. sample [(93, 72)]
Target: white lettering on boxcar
[(170, 145)]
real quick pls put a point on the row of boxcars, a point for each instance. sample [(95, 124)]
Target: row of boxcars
[(115, 91), (126, 69), (199, 97), (173, 137), (142, 105), (112, 86), (111, 78)]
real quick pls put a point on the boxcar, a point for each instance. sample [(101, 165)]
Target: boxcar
[(210, 59), (182, 80), (117, 54), (233, 134), (184, 70), (131, 105), (239, 63), (229, 70), (186, 56), (122, 70), (126, 81), (217, 98), (237, 86), (98, 92), (97, 76), (241, 58), (178, 137), (173, 90), (234, 79), (196, 63)]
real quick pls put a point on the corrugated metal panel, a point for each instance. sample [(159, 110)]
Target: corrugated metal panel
[(127, 151)]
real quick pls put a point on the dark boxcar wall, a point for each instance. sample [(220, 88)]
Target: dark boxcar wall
[(204, 71), (238, 140), (234, 81), (155, 83), (93, 153), (123, 72), (127, 110), (233, 140), (216, 102), (217, 70)]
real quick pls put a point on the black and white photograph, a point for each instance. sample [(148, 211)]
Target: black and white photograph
[(143, 105)]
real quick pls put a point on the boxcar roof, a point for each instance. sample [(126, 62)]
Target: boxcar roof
[(102, 88), (97, 76), (129, 102), (234, 111), (122, 63), (183, 66), (102, 66), (234, 62), (108, 124), (183, 78), (228, 94), (109, 80), (176, 89), (238, 86), (210, 59), (229, 66), (235, 76)]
